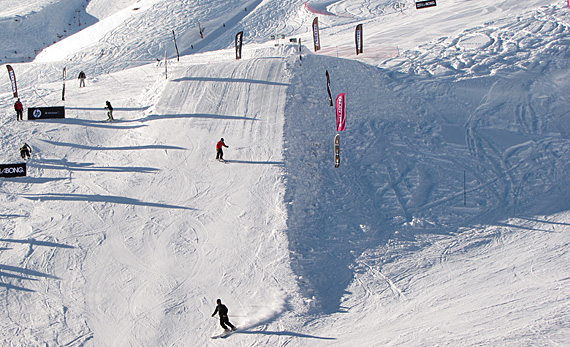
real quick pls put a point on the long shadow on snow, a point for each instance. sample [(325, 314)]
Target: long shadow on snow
[(96, 148), (99, 198), (283, 333), (230, 80), (73, 166), (22, 274), (276, 163), (402, 170), (93, 123), (195, 115)]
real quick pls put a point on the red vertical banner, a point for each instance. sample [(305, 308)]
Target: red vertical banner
[(359, 40), (341, 112), (316, 37), (13, 80)]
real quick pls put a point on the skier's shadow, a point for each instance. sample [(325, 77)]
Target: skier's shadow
[(283, 333)]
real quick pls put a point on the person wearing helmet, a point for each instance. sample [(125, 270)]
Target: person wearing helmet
[(222, 310), (220, 152), (26, 151), (110, 110)]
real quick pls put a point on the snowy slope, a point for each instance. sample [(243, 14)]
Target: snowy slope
[(446, 224)]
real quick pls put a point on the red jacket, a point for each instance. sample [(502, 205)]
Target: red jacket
[(18, 106), (220, 144)]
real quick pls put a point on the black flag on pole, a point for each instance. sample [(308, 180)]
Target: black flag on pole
[(358, 38), (63, 90), (239, 40), (329, 87), (13, 80)]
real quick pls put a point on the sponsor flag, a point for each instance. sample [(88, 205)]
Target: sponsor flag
[(341, 112), (63, 90), (12, 170), (425, 3), (358, 38), (176, 46), (46, 112), (329, 87), (13, 80), (316, 38), (337, 150), (239, 40)]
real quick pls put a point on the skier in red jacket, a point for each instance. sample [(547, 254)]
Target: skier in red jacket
[(19, 110), (220, 152)]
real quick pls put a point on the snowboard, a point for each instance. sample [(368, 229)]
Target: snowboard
[(223, 335), (337, 150)]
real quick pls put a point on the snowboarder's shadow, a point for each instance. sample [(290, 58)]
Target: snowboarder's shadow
[(281, 333)]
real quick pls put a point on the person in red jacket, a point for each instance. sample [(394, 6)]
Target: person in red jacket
[(19, 110), (220, 152)]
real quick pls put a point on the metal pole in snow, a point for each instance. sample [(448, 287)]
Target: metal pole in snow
[(165, 65)]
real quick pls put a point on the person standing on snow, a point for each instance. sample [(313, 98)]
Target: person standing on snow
[(110, 110), (26, 151), (19, 110), (222, 310), (81, 79), (220, 152)]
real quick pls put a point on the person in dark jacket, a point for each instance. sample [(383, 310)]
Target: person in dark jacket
[(81, 79), (26, 151), (109, 109), (19, 110), (220, 152), (222, 310)]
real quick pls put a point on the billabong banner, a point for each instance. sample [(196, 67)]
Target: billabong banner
[(46, 112), (12, 170), (426, 3), (358, 38), (316, 37), (329, 86), (13, 80), (341, 112), (239, 40)]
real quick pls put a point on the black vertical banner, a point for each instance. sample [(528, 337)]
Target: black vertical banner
[(316, 37), (176, 46), (13, 80), (239, 40), (329, 87), (358, 38), (63, 90)]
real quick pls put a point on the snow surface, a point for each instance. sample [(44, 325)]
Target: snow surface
[(447, 223)]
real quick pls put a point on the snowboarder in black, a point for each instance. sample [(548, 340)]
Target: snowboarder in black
[(81, 79), (110, 111), (26, 151), (222, 310)]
